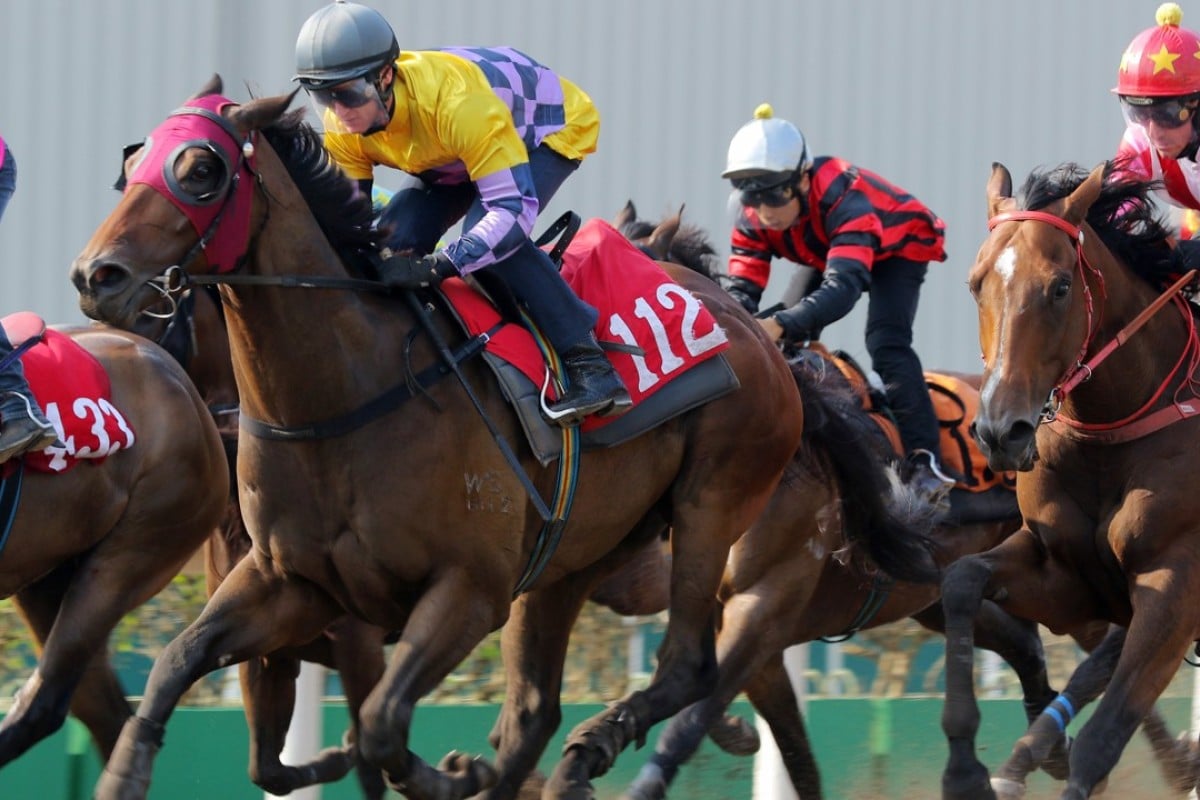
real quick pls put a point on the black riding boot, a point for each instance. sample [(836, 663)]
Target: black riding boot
[(593, 386)]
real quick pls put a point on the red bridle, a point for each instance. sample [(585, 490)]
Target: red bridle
[(1138, 423), (1080, 371)]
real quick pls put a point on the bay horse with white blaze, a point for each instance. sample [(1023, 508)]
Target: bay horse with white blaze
[(81, 547), (1088, 389), (376, 520)]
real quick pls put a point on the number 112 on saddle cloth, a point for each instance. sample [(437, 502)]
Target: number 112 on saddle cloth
[(639, 304)]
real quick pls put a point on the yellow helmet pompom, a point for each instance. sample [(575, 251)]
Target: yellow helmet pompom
[(1169, 14), (764, 111)]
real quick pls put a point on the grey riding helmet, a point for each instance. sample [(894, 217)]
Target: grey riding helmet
[(340, 42)]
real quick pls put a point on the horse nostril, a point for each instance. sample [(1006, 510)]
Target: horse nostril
[(103, 275)]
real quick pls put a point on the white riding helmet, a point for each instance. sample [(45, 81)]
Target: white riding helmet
[(767, 149)]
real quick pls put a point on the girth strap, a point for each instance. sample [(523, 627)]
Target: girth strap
[(373, 409), (10, 501), (881, 588)]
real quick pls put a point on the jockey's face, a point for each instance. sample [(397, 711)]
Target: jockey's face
[(780, 217), (355, 103), (1168, 121)]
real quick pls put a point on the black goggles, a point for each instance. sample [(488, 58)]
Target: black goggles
[(355, 94), (1163, 113), (772, 196)]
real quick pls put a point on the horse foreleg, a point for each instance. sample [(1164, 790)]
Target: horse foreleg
[(40, 706), (963, 586), (357, 652), (1047, 732), (1160, 632), (1178, 757), (534, 645), (253, 612), (687, 664), (428, 650), (71, 612), (772, 695)]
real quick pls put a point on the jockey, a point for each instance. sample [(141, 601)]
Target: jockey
[(23, 426), (860, 234), (491, 135), (1158, 83)]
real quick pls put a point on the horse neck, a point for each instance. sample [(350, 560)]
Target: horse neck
[(1127, 378), (305, 354), (211, 366)]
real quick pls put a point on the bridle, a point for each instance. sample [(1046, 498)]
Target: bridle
[(1141, 421)]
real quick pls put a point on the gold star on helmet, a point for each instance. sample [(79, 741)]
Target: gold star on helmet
[(1163, 60), (1128, 60)]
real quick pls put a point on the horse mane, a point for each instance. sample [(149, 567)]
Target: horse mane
[(342, 210), (690, 247), (1124, 215)]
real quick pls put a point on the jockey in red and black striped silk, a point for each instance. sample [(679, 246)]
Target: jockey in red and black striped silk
[(861, 234)]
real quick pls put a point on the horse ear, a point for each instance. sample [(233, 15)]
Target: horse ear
[(659, 241), (1080, 201), (214, 86), (999, 189), (261, 112), (625, 216)]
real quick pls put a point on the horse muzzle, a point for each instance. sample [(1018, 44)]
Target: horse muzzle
[(1009, 446), (106, 289)]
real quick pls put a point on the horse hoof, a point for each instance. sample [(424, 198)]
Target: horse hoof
[(648, 785), (1007, 789), (476, 773), (1058, 763), (735, 736)]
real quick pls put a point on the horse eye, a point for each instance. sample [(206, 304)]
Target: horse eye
[(1060, 289)]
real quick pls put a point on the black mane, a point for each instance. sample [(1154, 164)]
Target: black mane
[(342, 210), (691, 246), (1124, 216)]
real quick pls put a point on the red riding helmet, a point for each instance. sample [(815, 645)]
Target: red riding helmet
[(1163, 61)]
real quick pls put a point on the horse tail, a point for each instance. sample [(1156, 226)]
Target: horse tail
[(880, 512)]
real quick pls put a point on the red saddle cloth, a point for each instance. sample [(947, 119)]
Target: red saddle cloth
[(75, 393), (639, 305)]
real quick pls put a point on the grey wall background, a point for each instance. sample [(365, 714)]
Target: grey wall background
[(926, 92)]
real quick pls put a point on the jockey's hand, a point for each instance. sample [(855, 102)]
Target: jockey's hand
[(415, 272), (772, 328)]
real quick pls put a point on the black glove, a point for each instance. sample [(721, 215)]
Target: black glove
[(1186, 255), (745, 291), (415, 272)]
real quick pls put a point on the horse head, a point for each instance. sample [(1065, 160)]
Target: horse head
[(188, 207), (1033, 315), (1067, 264)]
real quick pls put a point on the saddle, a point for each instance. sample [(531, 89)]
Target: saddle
[(979, 494), (670, 353)]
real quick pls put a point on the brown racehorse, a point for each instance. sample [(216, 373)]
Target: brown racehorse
[(1088, 388), (376, 520), (842, 588), (191, 327), (792, 568), (88, 545)]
